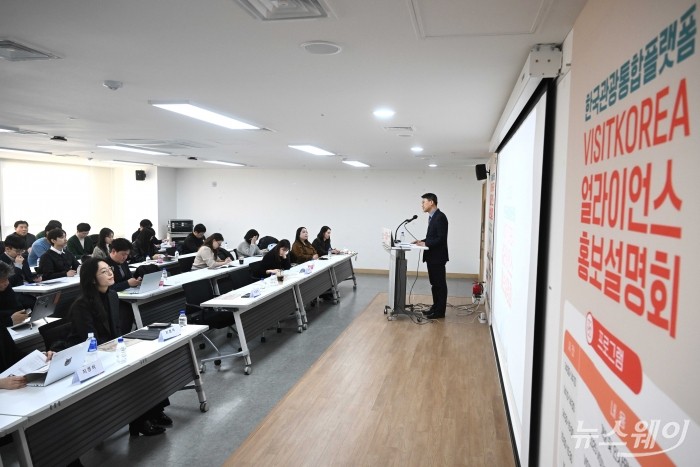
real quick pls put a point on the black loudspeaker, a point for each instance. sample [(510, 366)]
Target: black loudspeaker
[(481, 171), (140, 175)]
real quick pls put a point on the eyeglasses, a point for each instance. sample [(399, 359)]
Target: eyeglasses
[(106, 271), (19, 250)]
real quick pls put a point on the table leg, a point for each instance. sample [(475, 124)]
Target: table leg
[(198, 387), (20, 440)]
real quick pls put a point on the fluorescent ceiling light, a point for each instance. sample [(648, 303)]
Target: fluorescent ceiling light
[(432, 165), (384, 113), (356, 163), (193, 111), (7, 129), (417, 149), (128, 162), (232, 164), (26, 151), (311, 150), (121, 147)]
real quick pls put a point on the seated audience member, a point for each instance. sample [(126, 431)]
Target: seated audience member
[(22, 232), (13, 256), (80, 244), (55, 223), (146, 224), (194, 240), (123, 279), (14, 248), (322, 242), (248, 246), (302, 250), (144, 247), (207, 256), (104, 240), (274, 260), (11, 310), (96, 310), (57, 262), (9, 355), (41, 245)]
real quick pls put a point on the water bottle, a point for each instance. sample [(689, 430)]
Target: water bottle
[(177, 255), (330, 252), (403, 239), (163, 277), (182, 320), (148, 259), (92, 350), (121, 350)]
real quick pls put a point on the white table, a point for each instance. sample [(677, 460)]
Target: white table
[(51, 293), (65, 419), (10, 424), (28, 339)]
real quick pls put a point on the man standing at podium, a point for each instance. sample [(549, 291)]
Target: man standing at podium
[(436, 257)]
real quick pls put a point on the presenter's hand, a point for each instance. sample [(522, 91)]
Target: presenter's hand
[(419, 243)]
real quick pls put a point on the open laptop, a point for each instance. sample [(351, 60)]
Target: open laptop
[(38, 314), (149, 283), (62, 364)]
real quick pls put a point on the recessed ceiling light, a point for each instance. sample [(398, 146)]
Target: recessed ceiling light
[(194, 111), (432, 165), (26, 151), (321, 47), (356, 163), (120, 147), (316, 151), (384, 113), (16, 52), (417, 149), (231, 164)]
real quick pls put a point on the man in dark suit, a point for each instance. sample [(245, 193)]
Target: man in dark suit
[(436, 257)]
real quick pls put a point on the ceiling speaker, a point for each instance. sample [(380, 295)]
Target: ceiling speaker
[(140, 175), (481, 171)]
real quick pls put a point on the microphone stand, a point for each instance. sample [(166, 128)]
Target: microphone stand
[(396, 233)]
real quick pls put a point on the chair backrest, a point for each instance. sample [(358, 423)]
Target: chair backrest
[(197, 292), (145, 269), (55, 334), (185, 263)]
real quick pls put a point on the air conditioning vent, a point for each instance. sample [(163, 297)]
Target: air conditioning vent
[(277, 10), (399, 129)]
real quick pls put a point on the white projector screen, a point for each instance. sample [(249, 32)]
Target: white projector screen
[(518, 188)]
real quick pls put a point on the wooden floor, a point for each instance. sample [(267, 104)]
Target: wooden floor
[(391, 393)]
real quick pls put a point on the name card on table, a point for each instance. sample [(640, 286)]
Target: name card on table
[(169, 333), (88, 371)]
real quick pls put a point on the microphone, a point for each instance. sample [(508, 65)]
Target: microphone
[(404, 222)]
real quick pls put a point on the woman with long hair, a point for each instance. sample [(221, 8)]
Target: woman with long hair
[(104, 240), (143, 246), (274, 261), (302, 250), (208, 254), (96, 310), (322, 242)]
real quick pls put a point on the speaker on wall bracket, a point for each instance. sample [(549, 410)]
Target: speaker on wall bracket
[(140, 175), (481, 172)]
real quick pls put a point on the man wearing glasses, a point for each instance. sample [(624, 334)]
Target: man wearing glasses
[(123, 279)]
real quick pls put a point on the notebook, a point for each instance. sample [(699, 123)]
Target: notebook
[(62, 364), (149, 283)]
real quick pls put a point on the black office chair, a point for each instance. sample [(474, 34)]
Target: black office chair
[(55, 334), (198, 292), (235, 279), (185, 263)]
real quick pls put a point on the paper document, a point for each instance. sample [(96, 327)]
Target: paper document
[(35, 362)]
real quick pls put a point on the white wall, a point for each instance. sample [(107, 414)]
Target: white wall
[(356, 204)]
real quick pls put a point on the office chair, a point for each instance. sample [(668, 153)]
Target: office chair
[(196, 293), (235, 279), (185, 263), (55, 334)]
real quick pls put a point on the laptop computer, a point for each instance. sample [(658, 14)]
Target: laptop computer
[(39, 313), (149, 283), (62, 364)]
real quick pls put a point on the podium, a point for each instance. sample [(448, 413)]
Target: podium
[(396, 299)]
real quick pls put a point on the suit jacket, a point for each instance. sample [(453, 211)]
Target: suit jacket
[(21, 275), (53, 265), (122, 274), (436, 239), (88, 317), (8, 306), (191, 244), (77, 249)]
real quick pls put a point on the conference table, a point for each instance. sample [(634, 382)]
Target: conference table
[(164, 303), (277, 301), (54, 425), (50, 293), (28, 338)]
